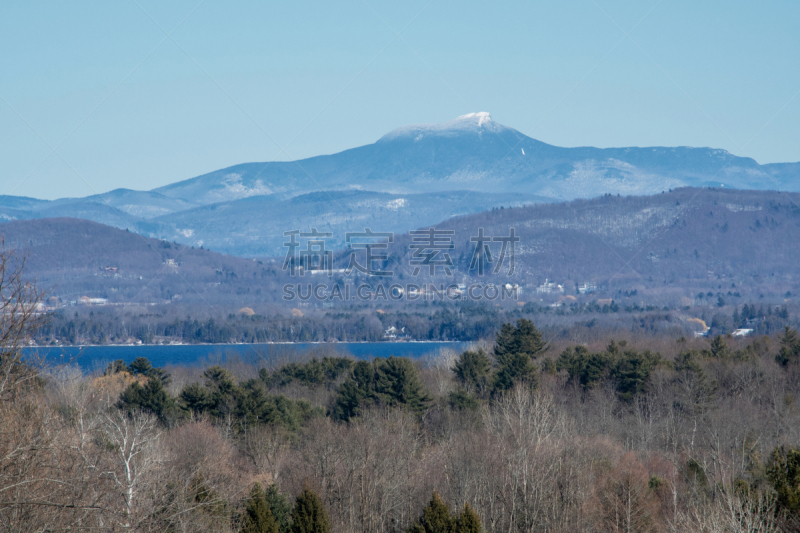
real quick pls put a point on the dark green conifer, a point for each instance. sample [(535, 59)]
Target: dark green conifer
[(790, 347), (151, 398), (632, 372), (258, 517), (397, 382), (461, 400), (515, 349), (468, 521), (719, 350), (280, 508), (353, 392), (472, 370), (515, 368), (783, 472), (309, 514), (394, 381), (435, 518)]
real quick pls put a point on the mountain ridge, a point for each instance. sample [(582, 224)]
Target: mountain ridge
[(468, 164), (667, 247)]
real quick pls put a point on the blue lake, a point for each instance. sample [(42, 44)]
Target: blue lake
[(92, 358)]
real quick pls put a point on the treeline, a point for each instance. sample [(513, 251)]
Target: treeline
[(464, 322), (103, 326), (521, 434), (356, 386)]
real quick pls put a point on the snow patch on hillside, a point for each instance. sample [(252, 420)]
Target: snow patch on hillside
[(593, 178), (233, 189), (397, 204), (738, 207), (145, 211)]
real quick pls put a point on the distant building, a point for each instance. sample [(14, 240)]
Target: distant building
[(330, 272), (85, 300), (587, 288), (549, 287), (742, 332), (395, 333), (171, 263)]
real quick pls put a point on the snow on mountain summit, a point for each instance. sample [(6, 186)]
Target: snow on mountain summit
[(481, 116), (469, 123)]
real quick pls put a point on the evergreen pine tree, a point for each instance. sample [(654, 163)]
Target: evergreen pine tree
[(435, 518), (505, 341), (117, 366), (397, 382), (515, 349), (632, 372), (257, 517), (196, 398), (472, 370), (460, 400), (140, 365), (394, 381), (151, 398), (694, 389), (719, 350), (353, 392), (586, 368), (529, 340), (309, 514), (467, 522), (514, 369), (279, 507), (783, 472), (790, 347), (205, 497)]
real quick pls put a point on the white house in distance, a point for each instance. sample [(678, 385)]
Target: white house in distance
[(85, 300), (587, 288), (550, 287)]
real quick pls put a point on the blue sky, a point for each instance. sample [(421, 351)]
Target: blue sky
[(124, 105)]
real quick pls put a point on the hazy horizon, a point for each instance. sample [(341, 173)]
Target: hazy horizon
[(140, 95)]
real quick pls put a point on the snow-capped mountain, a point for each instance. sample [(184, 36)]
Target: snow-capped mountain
[(425, 173), (474, 152)]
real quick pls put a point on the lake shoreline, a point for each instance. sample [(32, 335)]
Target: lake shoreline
[(272, 343), (98, 356)]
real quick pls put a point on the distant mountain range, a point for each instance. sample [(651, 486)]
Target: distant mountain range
[(667, 247), (412, 177)]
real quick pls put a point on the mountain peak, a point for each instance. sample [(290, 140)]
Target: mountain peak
[(481, 117), (469, 123)]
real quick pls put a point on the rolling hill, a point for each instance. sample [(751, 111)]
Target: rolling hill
[(71, 258), (676, 244), (666, 247)]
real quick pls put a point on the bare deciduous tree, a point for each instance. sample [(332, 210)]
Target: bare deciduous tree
[(134, 439)]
